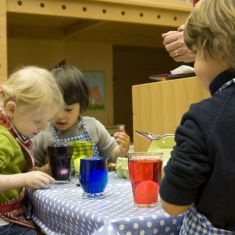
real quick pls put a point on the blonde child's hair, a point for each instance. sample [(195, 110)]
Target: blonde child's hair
[(32, 87), (211, 27)]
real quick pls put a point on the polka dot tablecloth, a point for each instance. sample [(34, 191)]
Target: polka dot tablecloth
[(60, 209)]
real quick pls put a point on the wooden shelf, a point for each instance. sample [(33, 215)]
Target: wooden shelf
[(120, 22), (133, 22), (164, 13)]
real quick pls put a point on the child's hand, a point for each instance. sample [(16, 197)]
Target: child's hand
[(123, 140), (37, 179)]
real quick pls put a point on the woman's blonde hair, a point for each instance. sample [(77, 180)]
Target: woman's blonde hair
[(211, 27), (32, 87)]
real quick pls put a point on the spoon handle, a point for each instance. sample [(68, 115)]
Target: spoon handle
[(151, 136), (148, 135)]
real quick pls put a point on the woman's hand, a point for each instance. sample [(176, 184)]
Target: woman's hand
[(174, 43)]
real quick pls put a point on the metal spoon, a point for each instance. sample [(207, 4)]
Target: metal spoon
[(151, 136)]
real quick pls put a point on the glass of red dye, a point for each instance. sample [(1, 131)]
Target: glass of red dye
[(145, 175)]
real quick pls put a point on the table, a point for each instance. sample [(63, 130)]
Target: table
[(60, 209)]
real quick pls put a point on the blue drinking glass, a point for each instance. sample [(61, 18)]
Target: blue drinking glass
[(93, 177)]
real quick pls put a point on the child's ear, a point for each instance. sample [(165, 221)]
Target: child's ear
[(10, 107)]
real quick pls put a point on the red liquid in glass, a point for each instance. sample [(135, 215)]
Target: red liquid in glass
[(145, 177)]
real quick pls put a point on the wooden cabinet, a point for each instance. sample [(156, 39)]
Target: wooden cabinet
[(3, 41), (84, 33), (120, 22), (158, 107)]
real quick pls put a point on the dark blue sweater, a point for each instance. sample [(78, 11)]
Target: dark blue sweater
[(202, 165)]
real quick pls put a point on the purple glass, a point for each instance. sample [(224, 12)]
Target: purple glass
[(60, 156)]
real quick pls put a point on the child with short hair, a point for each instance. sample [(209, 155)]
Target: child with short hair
[(29, 99), (70, 125), (200, 175)]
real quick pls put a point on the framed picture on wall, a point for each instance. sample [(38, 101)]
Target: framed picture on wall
[(95, 81)]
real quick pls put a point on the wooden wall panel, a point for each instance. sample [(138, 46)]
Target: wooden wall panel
[(86, 56), (158, 107), (3, 41), (94, 57), (30, 51), (133, 65)]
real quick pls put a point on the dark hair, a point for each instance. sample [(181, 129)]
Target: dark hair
[(72, 84)]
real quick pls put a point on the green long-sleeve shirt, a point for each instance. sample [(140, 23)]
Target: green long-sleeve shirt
[(12, 161)]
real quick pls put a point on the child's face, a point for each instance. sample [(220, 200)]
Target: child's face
[(30, 122), (207, 68), (67, 117)]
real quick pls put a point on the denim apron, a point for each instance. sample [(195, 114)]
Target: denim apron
[(196, 223)]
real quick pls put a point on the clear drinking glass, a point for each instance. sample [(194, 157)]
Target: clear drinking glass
[(81, 149), (60, 156), (93, 177), (145, 175)]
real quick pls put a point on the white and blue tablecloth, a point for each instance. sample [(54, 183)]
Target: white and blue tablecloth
[(60, 209)]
